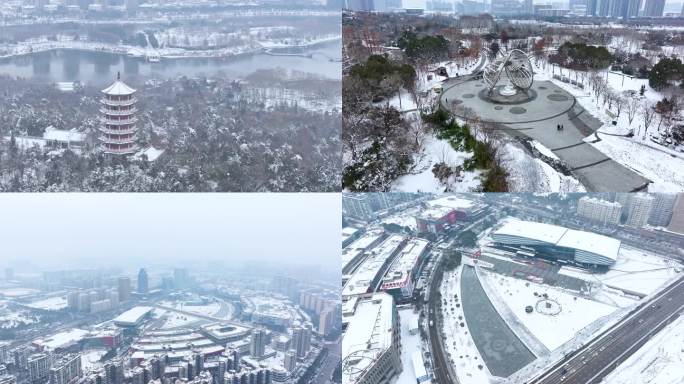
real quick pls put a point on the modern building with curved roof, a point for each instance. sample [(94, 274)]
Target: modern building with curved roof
[(558, 243)]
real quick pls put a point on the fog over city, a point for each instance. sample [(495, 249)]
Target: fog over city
[(122, 230)]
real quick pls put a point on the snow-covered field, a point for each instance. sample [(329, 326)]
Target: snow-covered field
[(659, 361), (405, 218), (17, 292), (456, 339), (567, 315), (634, 271)]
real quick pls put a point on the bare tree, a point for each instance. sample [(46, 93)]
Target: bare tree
[(619, 104), (632, 107), (649, 114)]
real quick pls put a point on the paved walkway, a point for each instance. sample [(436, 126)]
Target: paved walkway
[(538, 119)]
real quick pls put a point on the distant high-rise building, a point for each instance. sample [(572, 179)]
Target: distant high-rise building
[(326, 320), (124, 289), (677, 220), (301, 339), (357, 206), (661, 212), (606, 212), (38, 367), (290, 361), (654, 8), (181, 278), (639, 209), (66, 369), (4, 352), (143, 283), (257, 346)]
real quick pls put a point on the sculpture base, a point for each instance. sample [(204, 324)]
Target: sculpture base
[(508, 90)]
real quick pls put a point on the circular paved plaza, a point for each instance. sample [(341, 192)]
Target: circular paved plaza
[(542, 101)]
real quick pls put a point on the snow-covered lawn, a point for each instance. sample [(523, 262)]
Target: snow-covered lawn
[(635, 271), (405, 218), (423, 180), (553, 330), (659, 361), (457, 340)]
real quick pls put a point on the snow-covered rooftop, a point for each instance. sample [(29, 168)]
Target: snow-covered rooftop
[(400, 272), (70, 136), (152, 153), (562, 237), (361, 280), (119, 88), (132, 316), (546, 233), (451, 202), (347, 232), (359, 246), (368, 334), (62, 339)]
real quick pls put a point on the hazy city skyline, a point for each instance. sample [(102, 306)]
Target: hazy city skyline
[(126, 230)]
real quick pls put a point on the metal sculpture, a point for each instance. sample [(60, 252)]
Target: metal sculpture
[(517, 66)]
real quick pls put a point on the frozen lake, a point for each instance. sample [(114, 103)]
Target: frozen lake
[(99, 68)]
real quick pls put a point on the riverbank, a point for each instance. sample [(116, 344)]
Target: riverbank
[(268, 47)]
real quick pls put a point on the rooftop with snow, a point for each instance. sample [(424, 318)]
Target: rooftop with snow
[(360, 282)]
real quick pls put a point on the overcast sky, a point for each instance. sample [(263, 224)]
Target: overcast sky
[(67, 230)]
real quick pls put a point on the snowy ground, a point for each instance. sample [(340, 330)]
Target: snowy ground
[(422, 179), (433, 150), (527, 173), (656, 162), (635, 271), (17, 292), (174, 319), (409, 345), (90, 360), (574, 312), (50, 304), (659, 361), (457, 340)]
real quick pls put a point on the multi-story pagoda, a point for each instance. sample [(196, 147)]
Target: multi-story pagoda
[(118, 130)]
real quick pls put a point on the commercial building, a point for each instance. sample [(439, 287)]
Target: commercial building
[(368, 275), (133, 317), (401, 276), (446, 211), (531, 239), (639, 209), (371, 344), (603, 211), (353, 254), (349, 234)]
